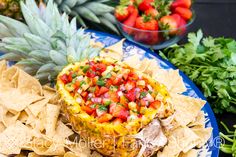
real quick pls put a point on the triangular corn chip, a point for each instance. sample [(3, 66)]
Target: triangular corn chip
[(20, 101), (187, 108), (171, 79), (13, 138), (27, 83), (203, 133), (190, 153), (52, 113), (37, 107)]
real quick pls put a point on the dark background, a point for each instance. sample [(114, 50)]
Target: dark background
[(216, 18)]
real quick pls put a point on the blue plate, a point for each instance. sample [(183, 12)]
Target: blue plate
[(212, 146)]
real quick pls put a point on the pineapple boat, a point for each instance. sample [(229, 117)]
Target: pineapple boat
[(115, 108)]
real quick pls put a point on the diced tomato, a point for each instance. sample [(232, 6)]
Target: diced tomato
[(118, 111), (64, 78), (123, 114), (77, 84), (117, 81), (131, 95), (155, 104), (143, 102), (117, 121), (113, 96), (87, 109), (90, 74), (96, 91), (124, 101), (129, 85), (70, 77), (102, 91), (108, 83), (99, 67), (84, 95), (105, 118), (133, 76)]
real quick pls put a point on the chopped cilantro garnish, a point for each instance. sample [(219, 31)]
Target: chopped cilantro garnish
[(81, 83), (74, 75), (102, 108), (108, 75), (86, 68), (150, 92), (143, 94), (100, 83), (93, 106)]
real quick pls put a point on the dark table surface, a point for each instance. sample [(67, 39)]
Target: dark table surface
[(216, 18)]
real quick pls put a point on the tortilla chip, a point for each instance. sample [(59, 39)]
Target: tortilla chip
[(203, 133), (2, 127), (10, 77), (81, 149), (32, 154), (23, 117), (20, 101), (42, 146), (181, 139), (13, 138), (27, 83), (52, 113), (3, 66), (62, 131), (37, 107), (171, 79), (70, 154), (152, 68), (187, 108), (133, 61), (96, 154), (190, 153), (199, 120)]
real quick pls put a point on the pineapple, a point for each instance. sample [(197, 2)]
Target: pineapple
[(10, 8), (46, 43), (90, 12), (138, 137)]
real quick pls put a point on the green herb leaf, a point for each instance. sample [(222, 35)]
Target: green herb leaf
[(100, 82), (86, 68)]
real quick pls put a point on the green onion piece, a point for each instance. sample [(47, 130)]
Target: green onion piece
[(86, 68), (102, 108), (107, 103), (143, 94), (100, 83)]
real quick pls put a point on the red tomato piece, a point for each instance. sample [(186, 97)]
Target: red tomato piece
[(118, 111), (102, 91), (64, 78), (90, 74), (87, 109), (155, 104), (84, 94), (133, 76), (105, 118), (131, 95)]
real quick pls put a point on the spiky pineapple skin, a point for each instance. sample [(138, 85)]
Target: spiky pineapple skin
[(11, 8), (106, 138)]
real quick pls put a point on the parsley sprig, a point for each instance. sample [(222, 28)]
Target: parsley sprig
[(211, 64)]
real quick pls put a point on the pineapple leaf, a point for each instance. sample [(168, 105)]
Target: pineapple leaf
[(40, 55), (16, 28), (11, 56), (87, 14), (98, 8), (4, 32), (58, 58), (46, 68), (37, 42)]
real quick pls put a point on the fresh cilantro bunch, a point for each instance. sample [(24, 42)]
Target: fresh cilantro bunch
[(211, 64)]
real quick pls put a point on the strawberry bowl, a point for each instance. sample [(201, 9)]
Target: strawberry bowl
[(154, 24)]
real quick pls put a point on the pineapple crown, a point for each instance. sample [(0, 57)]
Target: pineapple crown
[(46, 43)]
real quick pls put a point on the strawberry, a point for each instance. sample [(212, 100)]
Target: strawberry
[(121, 13), (145, 23), (170, 23), (152, 12), (130, 22), (184, 13), (131, 8), (182, 26), (181, 3), (145, 5), (151, 35)]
